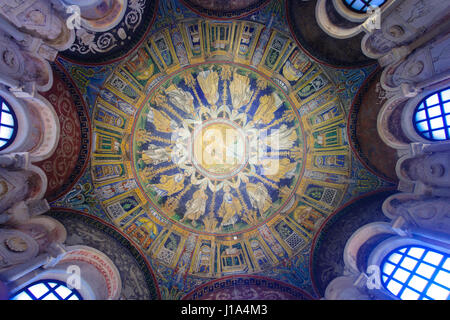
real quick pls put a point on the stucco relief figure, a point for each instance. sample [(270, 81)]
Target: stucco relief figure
[(36, 17), (430, 173), (10, 60), (19, 160), (20, 65), (377, 45), (16, 247), (41, 18), (18, 186), (419, 10), (421, 65), (432, 213), (101, 9)]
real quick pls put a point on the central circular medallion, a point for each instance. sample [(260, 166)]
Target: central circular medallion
[(219, 149)]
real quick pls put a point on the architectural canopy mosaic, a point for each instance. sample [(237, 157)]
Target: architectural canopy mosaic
[(219, 147)]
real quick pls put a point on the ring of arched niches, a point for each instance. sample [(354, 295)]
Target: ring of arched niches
[(183, 159)]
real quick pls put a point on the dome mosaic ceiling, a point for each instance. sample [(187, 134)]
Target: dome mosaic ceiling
[(223, 163), (219, 146)]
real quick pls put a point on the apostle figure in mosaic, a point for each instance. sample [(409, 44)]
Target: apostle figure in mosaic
[(170, 185), (196, 207), (181, 99), (230, 209), (209, 83), (259, 197), (240, 90)]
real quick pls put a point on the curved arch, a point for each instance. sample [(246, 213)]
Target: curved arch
[(329, 27), (359, 238), (51, 129), (40, 189), (385, 124)]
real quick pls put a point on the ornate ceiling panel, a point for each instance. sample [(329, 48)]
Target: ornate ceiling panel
[(71, 156), (364, 137), (219, 147), (104, 40), (206, 168), (327, 260), (342, 53)]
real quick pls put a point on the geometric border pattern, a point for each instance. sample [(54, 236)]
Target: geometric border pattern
[(85, 143)]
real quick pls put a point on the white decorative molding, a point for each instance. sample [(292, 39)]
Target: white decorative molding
[(331, 29)]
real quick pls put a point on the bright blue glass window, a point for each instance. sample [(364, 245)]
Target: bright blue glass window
[(361, 6), (417, 273), (432, 116), (8, 124), (47, 290)]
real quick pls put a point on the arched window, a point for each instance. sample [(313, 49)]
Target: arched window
[(416, 272), (361, 6), (432, 116), (47, 290), (8, 124)]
